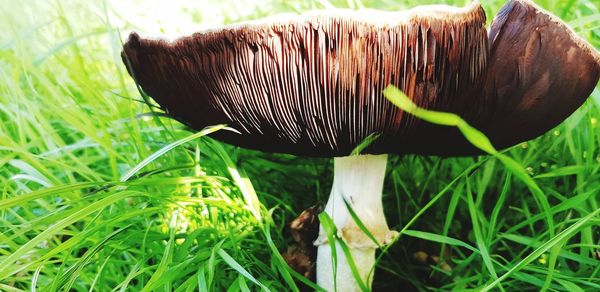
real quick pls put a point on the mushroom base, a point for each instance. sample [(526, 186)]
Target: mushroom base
[(358, 183), (364, 259)]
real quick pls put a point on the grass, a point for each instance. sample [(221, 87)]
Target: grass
[(99, 194)]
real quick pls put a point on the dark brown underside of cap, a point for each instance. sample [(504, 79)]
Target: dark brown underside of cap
[(314, 87)]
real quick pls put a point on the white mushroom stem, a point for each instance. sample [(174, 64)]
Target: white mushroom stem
[(358, 180)]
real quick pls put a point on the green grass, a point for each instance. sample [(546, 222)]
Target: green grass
[(98, 194)]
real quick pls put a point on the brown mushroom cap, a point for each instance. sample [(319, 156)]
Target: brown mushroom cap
[(539, 72), (311, 85)]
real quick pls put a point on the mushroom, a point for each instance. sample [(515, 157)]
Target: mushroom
[(312, 85)]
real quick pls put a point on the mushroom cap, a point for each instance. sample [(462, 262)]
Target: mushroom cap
[(539, 72), (312, 85)]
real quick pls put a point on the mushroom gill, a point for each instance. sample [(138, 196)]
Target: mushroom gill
[(312, 85)]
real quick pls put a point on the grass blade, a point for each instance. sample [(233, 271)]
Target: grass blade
[(475, 137), (483, 250), (233, 264), (564, 235), (439, 238), (159, 153)]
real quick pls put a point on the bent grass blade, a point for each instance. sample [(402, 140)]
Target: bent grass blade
[(475, 137)]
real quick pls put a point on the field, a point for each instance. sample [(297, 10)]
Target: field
[(98, 193)]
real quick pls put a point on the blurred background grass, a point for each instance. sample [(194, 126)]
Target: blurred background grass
[(72, 124)]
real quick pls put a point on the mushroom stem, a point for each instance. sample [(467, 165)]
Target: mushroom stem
[(358, 182)]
